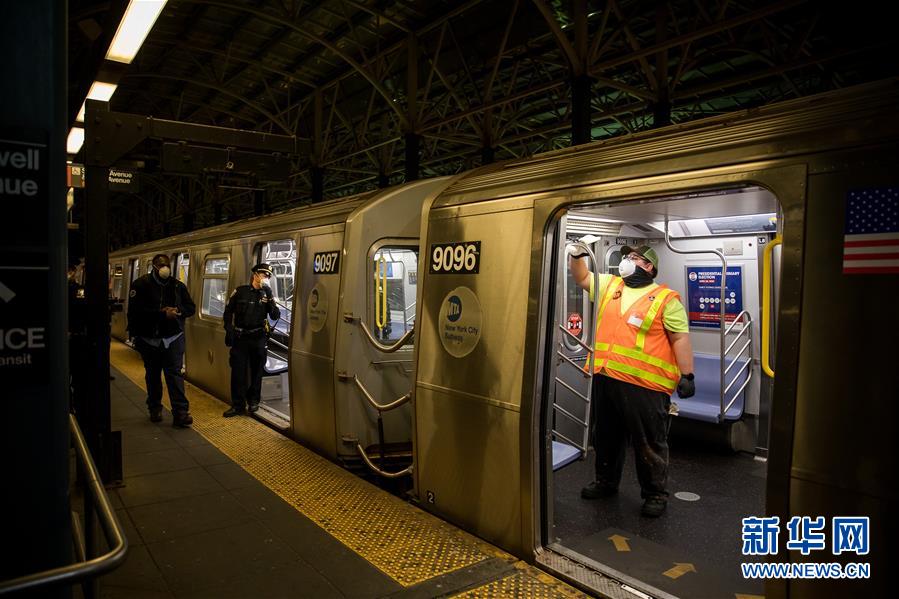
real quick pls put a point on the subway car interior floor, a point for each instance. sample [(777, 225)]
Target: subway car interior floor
[(232, 508), (710, 492)]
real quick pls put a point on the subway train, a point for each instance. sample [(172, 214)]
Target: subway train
[(433, 331)]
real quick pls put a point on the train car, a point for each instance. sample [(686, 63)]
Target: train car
[(789, 416), (345, 278), (433, 329)]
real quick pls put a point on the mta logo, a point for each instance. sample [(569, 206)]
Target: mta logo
[(455, 309)]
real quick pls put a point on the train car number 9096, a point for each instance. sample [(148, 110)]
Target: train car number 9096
[(326, 263), (463, 257)]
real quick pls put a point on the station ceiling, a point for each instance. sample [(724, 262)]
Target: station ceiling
[(475, 80)]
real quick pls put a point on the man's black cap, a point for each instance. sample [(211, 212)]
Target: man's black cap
[(263, 268)]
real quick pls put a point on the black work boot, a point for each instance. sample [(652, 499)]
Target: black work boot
[(182, 419), (596, 490), (253, 408), (234, 412), (156, 414), (653, 507)]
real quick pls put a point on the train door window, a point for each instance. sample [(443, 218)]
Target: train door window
[(215, 286), (281, 256), (577, 314), (613, 259), (134, 269), (716, 439), (182, 266), (117, 281), (393, 273)]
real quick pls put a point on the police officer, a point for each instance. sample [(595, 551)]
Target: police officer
[(157, 306), (246, 333)]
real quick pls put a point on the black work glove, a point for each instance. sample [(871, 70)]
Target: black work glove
[(686, 387), (229, 338)]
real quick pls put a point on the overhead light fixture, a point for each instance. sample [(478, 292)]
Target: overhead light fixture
[(99, 91), (136, 24), (75, 140)]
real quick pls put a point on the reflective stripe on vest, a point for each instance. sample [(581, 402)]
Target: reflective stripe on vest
[(626, 358)]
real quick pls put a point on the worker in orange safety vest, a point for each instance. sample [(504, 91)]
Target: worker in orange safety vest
[(642, 354)]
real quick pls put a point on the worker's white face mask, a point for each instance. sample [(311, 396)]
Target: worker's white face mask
[(165, 272), (626, 268)]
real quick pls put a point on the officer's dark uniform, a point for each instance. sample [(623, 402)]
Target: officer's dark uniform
[(160, 340), (246, 332)]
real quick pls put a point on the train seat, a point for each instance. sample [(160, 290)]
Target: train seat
[(564, 454), (706, 404)]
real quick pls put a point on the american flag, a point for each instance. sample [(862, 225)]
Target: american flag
[(871, 240)]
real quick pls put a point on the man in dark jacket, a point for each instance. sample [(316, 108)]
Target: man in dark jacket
[(246, 333), (157, 306)]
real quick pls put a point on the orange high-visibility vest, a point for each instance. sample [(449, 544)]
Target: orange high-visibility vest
[(633, 347)]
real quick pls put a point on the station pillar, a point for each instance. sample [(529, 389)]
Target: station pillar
[(34, 432)]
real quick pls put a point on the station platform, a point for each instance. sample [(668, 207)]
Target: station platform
[(232, 508)]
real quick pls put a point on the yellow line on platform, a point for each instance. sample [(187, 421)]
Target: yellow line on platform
[(407, 544)]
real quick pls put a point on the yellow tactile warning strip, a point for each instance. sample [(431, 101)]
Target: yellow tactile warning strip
[(406, 543), (526, 581)]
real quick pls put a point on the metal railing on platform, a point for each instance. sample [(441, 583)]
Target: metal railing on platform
[(90, 565)]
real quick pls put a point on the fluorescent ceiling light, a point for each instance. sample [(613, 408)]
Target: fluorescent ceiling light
[(99, 91), (75, 140), (136, 24)]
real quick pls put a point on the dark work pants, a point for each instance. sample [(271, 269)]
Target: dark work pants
[(247, 363), (625, 412), (161, 360)]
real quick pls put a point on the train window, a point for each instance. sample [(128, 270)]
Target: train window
[(613, 259), (182, 265), (394, 276), (215, 286), (117, 285), (135, 268), (281, 256)]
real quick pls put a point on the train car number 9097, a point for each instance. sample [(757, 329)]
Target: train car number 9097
[(326, 263), (463, 257)]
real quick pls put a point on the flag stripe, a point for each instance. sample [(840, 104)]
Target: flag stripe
[(871, 236), (870, 256), (858, 263), (870, 270), (867, 249), (850, 241)]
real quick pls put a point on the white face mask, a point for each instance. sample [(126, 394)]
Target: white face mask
[(165, 272), (626, 268)]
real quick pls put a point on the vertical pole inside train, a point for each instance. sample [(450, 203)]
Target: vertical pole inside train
[(33, 354)]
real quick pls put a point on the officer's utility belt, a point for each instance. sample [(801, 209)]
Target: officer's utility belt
[(241, 331)]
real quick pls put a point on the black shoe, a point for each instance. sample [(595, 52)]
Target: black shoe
[(253, 408), (155, 414), (234, 412), (653, 507), (595, 490), (182, 420)]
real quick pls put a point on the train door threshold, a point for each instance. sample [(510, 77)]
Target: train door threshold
[(591, 575)]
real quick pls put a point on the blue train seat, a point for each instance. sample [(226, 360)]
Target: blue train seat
[(564, 454), (706, 404)]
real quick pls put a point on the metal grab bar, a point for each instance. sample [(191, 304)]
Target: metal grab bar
[(86, 569), (766, 305), (387, 349), (721, 317), (575, 338), (405, 471), (379, 407), (588, 371), (746, 367), (278, 344)]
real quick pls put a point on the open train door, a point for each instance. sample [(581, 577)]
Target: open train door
[(718, 440)]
